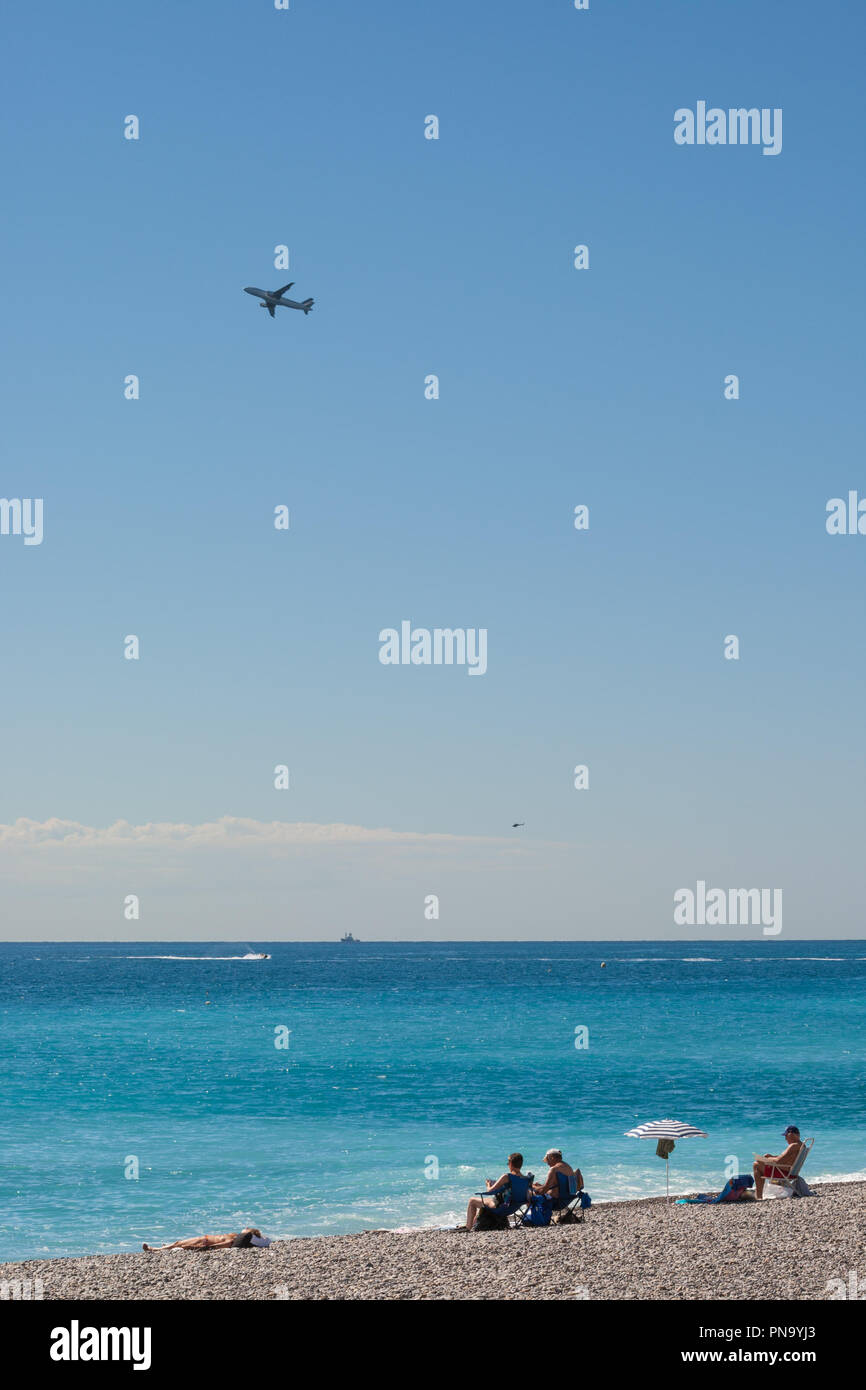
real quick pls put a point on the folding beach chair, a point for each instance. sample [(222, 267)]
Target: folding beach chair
[(570, 1203), (789, 1180), (511, 1201)]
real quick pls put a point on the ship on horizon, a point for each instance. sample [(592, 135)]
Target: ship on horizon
[(349, 940)]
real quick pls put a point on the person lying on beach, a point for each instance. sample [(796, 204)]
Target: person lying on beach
[(239, 1239), (556, 1164), (777, 1165), (515, 1164), (735, 1190)]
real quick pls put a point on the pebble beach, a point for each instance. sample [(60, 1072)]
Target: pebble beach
[(776, 1249)]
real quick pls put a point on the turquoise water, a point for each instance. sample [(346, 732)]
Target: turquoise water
[(404, 1060)]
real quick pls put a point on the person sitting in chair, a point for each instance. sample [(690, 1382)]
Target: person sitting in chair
[(556, 1165), (515, 1164), (777, 1165)]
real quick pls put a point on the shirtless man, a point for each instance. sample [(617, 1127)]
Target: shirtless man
[(777, 1165), (556, 1164), (210, 1242)]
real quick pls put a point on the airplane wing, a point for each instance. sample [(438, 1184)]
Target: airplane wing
[(271, 311), (276, 293)]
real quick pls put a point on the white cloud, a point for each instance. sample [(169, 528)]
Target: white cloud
[(227, 833)]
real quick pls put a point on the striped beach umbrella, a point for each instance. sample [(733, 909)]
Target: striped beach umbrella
[(666, 1129)]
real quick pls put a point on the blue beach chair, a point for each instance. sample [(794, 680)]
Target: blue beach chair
[(571, 1201), (511, 1201)]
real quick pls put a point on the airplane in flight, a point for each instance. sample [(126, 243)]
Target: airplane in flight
[(271, 298)]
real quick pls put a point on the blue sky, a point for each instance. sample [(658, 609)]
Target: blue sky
[(558, 387)]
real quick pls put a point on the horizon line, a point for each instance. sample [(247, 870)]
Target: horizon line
[(421, 941)]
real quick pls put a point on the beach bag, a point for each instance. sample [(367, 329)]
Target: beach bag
[(490, 1219), (540, 1210)]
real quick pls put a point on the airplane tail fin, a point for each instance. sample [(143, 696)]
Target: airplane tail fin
[(307, 305)]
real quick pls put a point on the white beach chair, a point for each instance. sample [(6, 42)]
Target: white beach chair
[(788, 1181)]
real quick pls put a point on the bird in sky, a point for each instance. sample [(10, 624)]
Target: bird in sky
[(517, 824)]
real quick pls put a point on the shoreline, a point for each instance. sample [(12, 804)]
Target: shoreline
[(781, 1248)]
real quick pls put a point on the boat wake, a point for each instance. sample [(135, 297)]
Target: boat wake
[(251, 955)]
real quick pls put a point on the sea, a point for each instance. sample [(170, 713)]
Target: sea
[(152, 1091)]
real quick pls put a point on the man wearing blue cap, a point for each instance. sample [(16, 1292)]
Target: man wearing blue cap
[(774, 1166)]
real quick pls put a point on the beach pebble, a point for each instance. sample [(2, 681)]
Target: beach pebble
[(786, 1248)]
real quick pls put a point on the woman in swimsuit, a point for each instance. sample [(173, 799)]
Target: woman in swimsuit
[(234, 1238)]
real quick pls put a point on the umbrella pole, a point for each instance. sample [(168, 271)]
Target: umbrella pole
[(668, 1178)]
